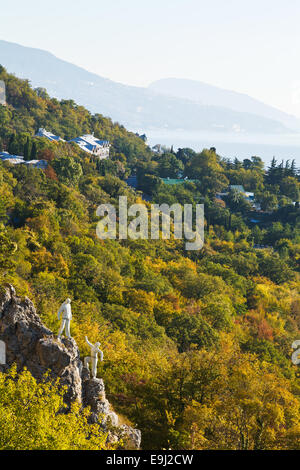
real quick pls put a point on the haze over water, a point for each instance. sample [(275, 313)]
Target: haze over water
[(284, 146)]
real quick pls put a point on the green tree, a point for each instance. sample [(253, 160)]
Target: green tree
[(267, 201), (31, 417), (290, 187), (33, 154), (7, 250), (27, 150), (68, 170), (206, 167)]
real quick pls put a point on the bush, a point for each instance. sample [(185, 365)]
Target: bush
[(31, 417)]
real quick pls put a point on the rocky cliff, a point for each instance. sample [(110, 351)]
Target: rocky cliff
[(30, 344)]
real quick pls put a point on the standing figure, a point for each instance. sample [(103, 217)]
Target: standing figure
[(2, 352), (296, 354), (66, 318), (93, 358)]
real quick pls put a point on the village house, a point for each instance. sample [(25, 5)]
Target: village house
[(13, 159), (48, 135), (40, 164), (18, 159), (248, 196), (90, 144)]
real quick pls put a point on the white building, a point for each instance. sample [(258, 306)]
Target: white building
[(13, 159), (17, 160), (53, 138), (40, 164), (90, 144)]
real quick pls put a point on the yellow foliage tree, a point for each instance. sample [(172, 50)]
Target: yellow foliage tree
[(32, 417)]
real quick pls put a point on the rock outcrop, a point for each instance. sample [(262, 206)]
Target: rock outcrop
[(101, 412), (30, 344)]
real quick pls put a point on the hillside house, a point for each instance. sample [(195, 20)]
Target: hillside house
[(48, 135), (40, 164), (132, 181), (90, 144), (142, 136), (13, 159), (18, 159), (248, 196)]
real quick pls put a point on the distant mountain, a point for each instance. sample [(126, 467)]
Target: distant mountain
[(209, 95), (136, 108)]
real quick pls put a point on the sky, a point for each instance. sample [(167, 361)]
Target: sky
[(250, 46)]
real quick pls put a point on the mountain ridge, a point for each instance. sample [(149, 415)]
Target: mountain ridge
[(207, 94), (136, 108)]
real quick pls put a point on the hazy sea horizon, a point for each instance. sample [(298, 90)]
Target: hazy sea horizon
[(282, 146)]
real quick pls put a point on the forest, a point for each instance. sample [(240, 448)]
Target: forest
[(197, 344)]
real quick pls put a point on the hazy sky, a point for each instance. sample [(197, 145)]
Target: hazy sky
[(251, 46)]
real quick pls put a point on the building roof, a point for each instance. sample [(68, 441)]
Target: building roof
[(17, 159), (172, 181), (8, 156), (37, 163), (237, 187), (132, 181), (31, 162), (90, 140), (89, 143), (13, 161), (43, 133)]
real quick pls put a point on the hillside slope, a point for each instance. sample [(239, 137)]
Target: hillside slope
[(29, 344), (191, 338)]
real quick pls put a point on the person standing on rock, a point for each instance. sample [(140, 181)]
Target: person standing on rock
[(65, 310), (93, 358)]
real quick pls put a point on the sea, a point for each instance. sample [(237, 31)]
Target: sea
[(231, 145)]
